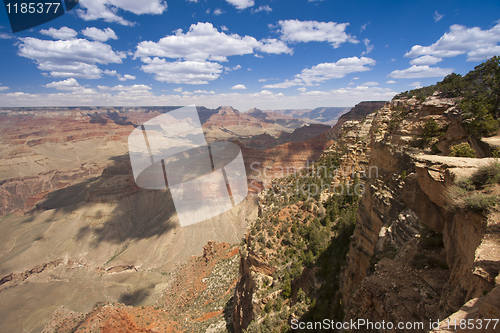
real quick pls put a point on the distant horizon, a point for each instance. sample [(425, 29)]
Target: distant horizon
[(169, 106)]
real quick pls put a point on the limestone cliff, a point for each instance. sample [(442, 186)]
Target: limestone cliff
[(411, 256)]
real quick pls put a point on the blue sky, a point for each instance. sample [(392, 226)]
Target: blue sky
[(270, 54)]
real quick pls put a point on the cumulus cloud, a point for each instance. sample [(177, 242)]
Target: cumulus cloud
[(204, 92), (437, 16), (198, 50), (241, 4), (478, 44), (188, 72), (218, 12), (98, 34), (241, 99), (4, 88), (62, 33), (230, 69), (390, 82), (204, 42), (415, 85), (272, 45), (415, 72), (314, 31), (327, 71), (76, 58), (69, 84), (108, 9), (132, 88), (239, 87), (425, 60), (119, 76), (265, 8)]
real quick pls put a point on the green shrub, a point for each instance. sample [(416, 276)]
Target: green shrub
[(480, 201), (479, 90), (487, 175), (462, 150)]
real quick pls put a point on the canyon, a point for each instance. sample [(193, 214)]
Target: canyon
[(79, 237), (76, 229)]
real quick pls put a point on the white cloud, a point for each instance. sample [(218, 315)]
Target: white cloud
[(327, 71), (5, 36), (262, 80), (188, 72), (256, 55), (425, 60), (477, 43), (120, 78), (370, 83), (415, 72), (241, 4), (390, 82), (204, 42), (265, 8), (108, 9), (132, 88), (218, 12), (368, 46), (224, 28), (76, 58), (230, 69), (4, 88), (302, 89), (415, 85), (68, 84), (99, 35), (363, 27), (240, 100), (204, 92), (272, 45), (178, 89), (238, 87), (62, 33), (437, 16), (314, 31)]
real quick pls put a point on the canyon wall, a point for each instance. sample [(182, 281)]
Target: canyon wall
[(391, 272)]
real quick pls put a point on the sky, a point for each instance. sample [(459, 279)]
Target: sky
[(269, 54)]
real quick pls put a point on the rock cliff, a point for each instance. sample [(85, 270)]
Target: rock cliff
[(412, 256)]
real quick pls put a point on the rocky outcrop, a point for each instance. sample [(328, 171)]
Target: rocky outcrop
[(253, 271), (358, 112), (409, 194)]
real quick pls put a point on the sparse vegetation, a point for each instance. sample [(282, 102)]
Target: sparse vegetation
[(462, 150), (306, 236), (472, 192), (479, 91)]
